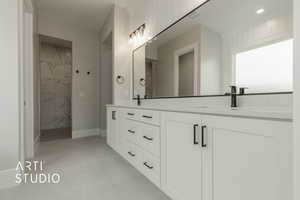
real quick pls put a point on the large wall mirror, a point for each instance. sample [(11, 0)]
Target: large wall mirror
[(222, 43)]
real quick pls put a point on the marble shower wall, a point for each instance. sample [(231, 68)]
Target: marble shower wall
[(56, 86)]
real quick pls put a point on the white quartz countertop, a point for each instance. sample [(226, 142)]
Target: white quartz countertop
[(271, 113)]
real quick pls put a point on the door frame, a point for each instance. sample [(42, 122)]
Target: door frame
[(27, 103), (187, 49), (103, 48)]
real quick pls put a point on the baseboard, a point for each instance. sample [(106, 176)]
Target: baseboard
[(103, 133), (8, 178), (85, 133)]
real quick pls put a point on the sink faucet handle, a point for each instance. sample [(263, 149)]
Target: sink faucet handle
[(242, 90), (138, 100), (233, 96), (233, 89)]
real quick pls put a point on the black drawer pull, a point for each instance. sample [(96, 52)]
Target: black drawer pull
[(148, 138), (131, 131), (195, 134), (131, 114), (113, 115), (202, 137), (147, 117), (149, 167), (132, 154)]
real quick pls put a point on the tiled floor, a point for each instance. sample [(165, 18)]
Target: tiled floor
[(89, 170)]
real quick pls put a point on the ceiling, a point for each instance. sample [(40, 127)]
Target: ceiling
[(88, 14)]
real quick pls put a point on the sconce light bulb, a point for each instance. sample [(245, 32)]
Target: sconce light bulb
[(130, 38)]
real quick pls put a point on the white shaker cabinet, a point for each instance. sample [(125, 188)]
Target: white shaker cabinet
[(181, 156), (224, 158), (248, 159), (205, 157)]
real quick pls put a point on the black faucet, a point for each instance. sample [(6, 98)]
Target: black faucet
[(233, 95), (138, 100)]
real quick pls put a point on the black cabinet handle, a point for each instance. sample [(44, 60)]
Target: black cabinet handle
[(132, 154), (131, 131), (148, 117), (149, 167), (203, 138), (148, 138), (195, 134), (113, 115), (131, 114)]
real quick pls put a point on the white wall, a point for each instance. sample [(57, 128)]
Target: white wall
[(117, 23), (105, 69), (139, 71), (9, 84), (297, 98), (85, 58), (122, 56), (10, 62), (211, 64)]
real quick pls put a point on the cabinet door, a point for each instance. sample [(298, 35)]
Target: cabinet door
[(111, 127), (250, 159), (181, 156)]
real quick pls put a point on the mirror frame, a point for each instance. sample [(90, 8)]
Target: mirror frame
[(179, 97)]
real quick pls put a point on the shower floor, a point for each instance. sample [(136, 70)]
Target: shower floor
[(56, 134)]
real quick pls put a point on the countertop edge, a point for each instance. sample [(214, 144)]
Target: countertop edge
[(287, 117)]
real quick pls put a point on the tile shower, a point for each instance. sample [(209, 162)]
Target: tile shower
[(55, 90)]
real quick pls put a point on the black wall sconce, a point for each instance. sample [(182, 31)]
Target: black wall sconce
[(120, 79)]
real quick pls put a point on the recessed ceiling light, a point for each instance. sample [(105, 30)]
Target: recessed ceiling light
[(260, 11)]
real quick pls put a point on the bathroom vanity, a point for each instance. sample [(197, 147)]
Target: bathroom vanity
[(202, 153), (215, 152)]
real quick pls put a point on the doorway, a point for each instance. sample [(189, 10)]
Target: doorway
[(151, 76), (106, 78), (55, 61), (186, 74), (186, 71)]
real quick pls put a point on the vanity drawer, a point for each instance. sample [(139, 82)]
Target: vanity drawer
[(130, 130), (130, 114), (149, 138), (147, 116), (150, 167), (132, 153)]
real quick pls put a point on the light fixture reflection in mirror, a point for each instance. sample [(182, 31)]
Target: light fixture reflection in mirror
[(137, 35)]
